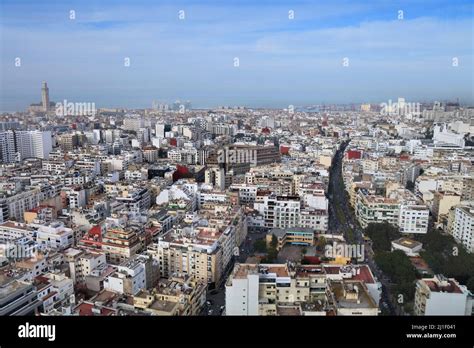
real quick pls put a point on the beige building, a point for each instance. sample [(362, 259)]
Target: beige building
[(200, 256), (294, 236), (325, 160), (351, 298), (82, 263), (174, 296), (443, 201), (120, 245), (283, 289)]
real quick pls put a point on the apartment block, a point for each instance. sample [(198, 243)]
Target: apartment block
[(441, 296)]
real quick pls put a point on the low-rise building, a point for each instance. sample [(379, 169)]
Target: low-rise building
[(409, 246), (293, 236), (174, 296)]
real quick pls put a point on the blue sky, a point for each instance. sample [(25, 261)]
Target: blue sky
[(282, 61)]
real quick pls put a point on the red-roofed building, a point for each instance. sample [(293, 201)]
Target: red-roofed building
[(284, 150), (353, 154), (89, 309), (93, 238), (311, 260)]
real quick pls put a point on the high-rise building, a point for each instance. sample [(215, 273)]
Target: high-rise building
[(35, 144), (7, 147), (160, 130), (45, 96)]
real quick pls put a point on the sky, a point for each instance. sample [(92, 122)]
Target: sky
[(281, 60)]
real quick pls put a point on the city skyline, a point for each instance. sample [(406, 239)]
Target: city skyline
[(284, 58)]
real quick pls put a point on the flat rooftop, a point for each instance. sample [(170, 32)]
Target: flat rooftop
[(449, 287), (407, 243), (343, 292)]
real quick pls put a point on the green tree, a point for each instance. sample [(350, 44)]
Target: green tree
[(382, 234), (445, 256), (397, 265), (321, 243), (400, 271), (274, 242), (470, 284), (260, 246)]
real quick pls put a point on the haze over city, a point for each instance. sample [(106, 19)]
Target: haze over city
[(284, 58)]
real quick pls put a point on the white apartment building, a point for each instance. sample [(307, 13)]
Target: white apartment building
[(247, 193), (160, 130), (279, 211), (133, 123), (136, 199), (461, 226), (54, 236), (241, 291), (76, 197), (315, 219), (211, 197), (82, 263), (413, 218), (14, 206), (397, 210), (34, 144), (10, 231), (129, 278), (441, 135), (376, 209), (175, 155), (215, 177), (441, 296)]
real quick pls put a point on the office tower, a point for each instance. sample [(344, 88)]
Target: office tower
[(36, 144), (45, 96), (7, 147)]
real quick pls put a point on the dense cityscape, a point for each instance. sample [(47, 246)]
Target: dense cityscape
[(361, 209), (236, 173)]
